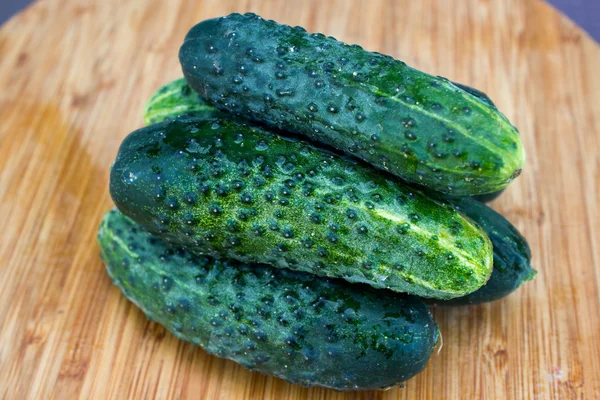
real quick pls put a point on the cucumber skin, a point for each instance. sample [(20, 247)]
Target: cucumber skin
[(512, 255), (429, 132), (292, 322), (300, 208)]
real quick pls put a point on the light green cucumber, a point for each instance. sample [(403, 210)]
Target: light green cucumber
[(176, 99)]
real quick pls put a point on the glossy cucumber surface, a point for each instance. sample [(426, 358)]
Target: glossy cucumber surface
[(230, 190), (316, 332), (422, 128)]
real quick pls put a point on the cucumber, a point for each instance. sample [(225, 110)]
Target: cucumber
[(512, 255), (316, 332), (225, 189), (176, 99), (422, 128)]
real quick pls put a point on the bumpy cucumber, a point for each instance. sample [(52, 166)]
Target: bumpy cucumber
[(512, 256), (316, 332), (226, 189), (422, 128), (176, 99)]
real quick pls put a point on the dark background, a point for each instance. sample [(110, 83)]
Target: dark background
[(586, 13)]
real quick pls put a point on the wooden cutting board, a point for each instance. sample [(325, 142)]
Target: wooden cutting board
[(74, 76)]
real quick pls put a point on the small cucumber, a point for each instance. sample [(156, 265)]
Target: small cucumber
[(512, 255), (422, 128), (176, 99), (226, 189), (315, 332)]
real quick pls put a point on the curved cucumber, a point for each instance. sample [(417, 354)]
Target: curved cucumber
[(512, 255), (316, 332), (226, 189), (419, 127), (176, 99)]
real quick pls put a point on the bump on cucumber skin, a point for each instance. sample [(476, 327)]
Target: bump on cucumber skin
[(229, 190), (315, 332), (176, 99), (421, 128), (512, 255)]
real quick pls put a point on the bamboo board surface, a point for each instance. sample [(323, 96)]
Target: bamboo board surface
[(73, 79)]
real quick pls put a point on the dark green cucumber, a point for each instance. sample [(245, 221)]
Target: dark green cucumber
[(512, 256), (422, 128), (226, 189), (316, 332), (176, 99)]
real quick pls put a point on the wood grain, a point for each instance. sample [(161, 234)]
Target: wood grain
[(74, 75)]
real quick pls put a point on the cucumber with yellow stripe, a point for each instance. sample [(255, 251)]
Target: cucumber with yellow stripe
[(230, 190), (421, 128), (512, 255)]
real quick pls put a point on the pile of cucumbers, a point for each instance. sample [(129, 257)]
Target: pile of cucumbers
[(294, 202)]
